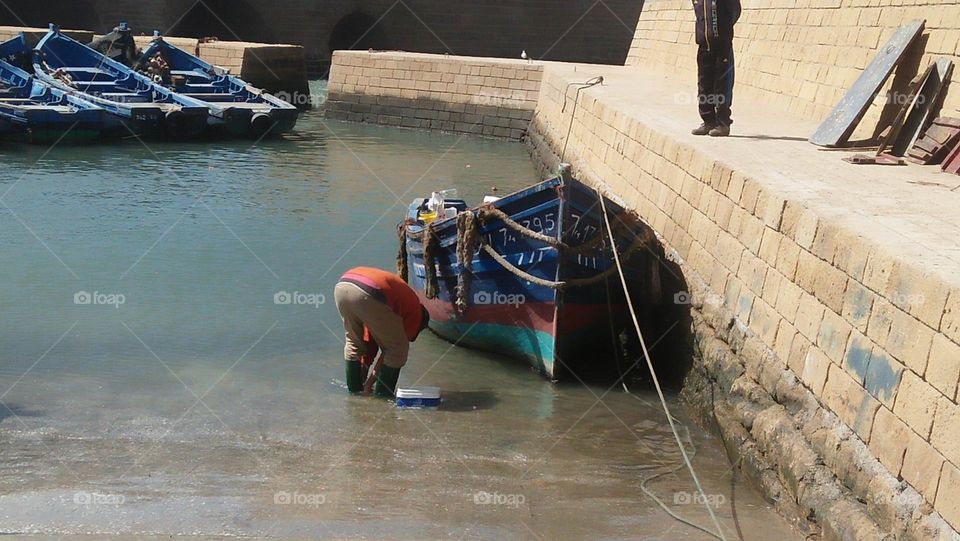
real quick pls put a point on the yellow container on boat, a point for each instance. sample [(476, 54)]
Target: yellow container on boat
[(427, 216)]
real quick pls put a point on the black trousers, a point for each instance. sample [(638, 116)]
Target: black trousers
[(715, 83)]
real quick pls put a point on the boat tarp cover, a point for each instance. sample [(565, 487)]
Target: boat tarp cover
[(118, 45)]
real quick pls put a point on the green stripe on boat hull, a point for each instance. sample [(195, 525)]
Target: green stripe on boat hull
[(534, 347)]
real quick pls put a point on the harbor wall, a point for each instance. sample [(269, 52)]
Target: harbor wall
[(803, 55), (479, 96), (570, 30), (829, 348), (828, 362)]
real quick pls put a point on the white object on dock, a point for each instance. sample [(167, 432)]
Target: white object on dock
[(490, 199)]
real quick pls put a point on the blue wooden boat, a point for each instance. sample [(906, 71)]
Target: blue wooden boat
[(531, 275), (235, 106), (33, 111), (136, 105)]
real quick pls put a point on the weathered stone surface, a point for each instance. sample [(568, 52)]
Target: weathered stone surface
[(948, 497)]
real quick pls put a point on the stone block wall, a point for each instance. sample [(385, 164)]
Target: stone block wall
[(870, 337), (481, 96), (34, 35), (803, 55), (571, 30), (275, 68)]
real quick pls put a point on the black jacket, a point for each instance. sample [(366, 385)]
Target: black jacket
[(715, 20)]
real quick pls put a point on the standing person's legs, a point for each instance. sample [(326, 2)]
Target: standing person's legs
[(724, 84), (706, 85), (350, 300)]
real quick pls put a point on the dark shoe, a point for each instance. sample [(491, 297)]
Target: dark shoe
[(720, 131), (704, 129), (354, 376), (386, 386)]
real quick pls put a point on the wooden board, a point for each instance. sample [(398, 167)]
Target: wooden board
[(901, 117), (919, 115), (840, 123), (952, 163), (938, 140)]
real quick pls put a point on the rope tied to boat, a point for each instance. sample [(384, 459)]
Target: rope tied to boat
[(487, 214), (402, 268), (467, 238), (431, 286), (638, 243)]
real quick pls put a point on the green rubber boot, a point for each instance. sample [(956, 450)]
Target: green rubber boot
[(354, 377), (386, 386)]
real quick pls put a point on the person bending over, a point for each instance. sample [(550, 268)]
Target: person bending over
[(380, 313)]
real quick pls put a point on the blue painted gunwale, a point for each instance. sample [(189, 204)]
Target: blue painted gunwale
[(235, 105), (136, 105), (35, 112)]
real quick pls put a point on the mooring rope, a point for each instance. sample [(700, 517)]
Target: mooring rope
[(488, 213), (431, 285), (663, 401), (467, 237), (582, 86), (402, 269), (638, 243)]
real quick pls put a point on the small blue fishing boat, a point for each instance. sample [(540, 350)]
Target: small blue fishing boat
[(235, 106), (136, 105), (531, 275), (32, 111)]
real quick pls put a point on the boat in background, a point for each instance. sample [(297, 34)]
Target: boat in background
[(531, 275), (33, 111), (235, 106), (136, 105)]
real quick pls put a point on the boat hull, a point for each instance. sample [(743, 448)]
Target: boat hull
[(135, 104), (565, 333), (236, 108), (34, 112)]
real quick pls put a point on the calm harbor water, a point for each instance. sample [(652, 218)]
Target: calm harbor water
[(151, 384)]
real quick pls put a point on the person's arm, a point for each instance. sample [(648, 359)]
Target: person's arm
[(734, 8)]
